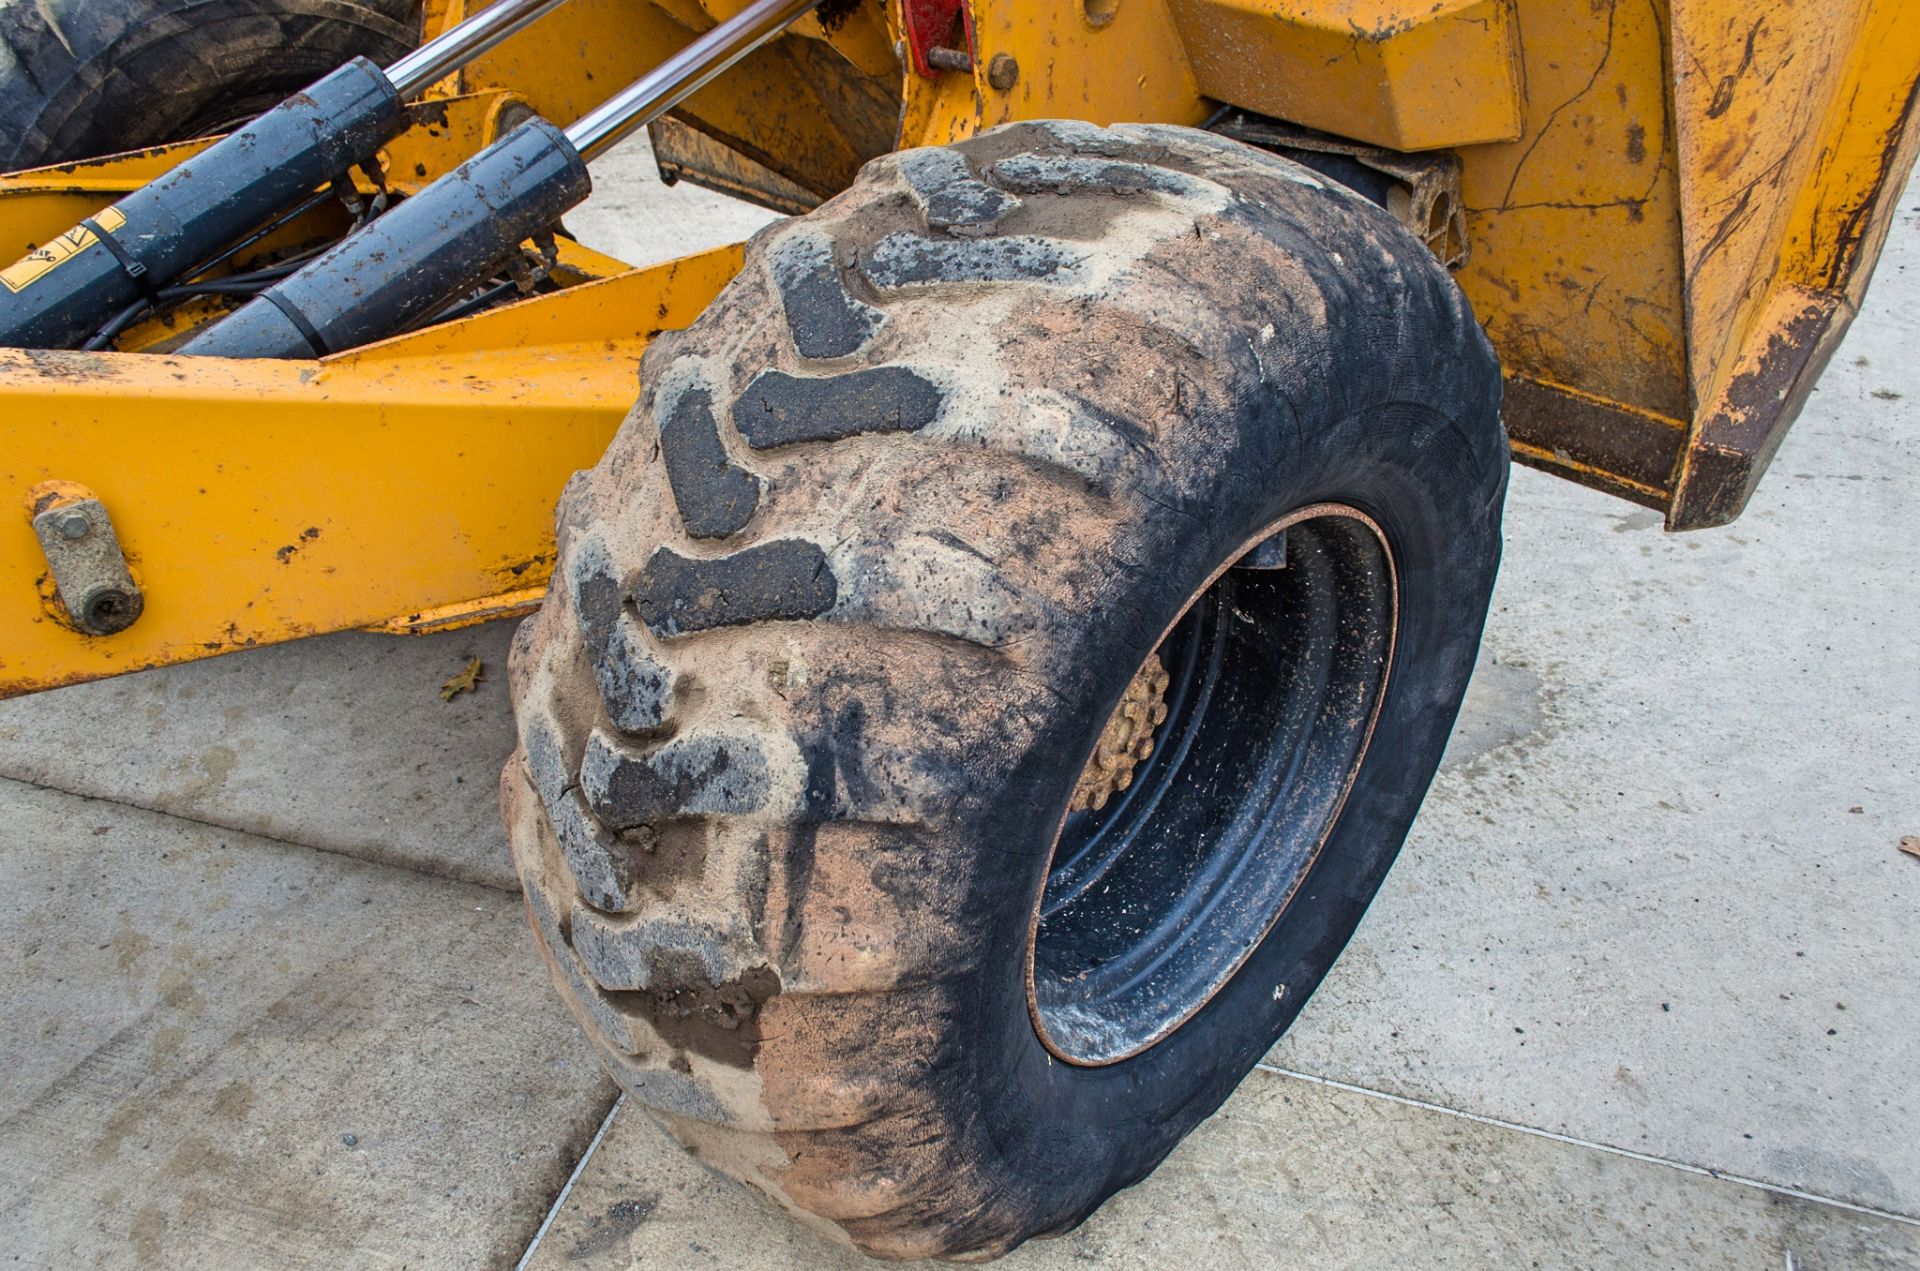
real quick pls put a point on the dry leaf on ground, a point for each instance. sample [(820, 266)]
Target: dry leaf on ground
[(467, 681)]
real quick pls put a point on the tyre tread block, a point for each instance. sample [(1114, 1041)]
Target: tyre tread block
[(1059, 174), (950, 196), (611, 1023), (779, 409), (906, 260), (698, 774), (658, 953), (715, 496), (595, 590), (636, 687), (825, 319), (594, 857), (787, 578)]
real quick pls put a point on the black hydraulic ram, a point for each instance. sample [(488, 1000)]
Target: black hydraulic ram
[(455, 234), (64, 291)]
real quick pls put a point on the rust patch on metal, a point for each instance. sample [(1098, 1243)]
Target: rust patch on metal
[(1126, 741), (1605, 445), (1731, 448)]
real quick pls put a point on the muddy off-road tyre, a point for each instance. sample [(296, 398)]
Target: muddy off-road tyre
[(1017, 462), (80, 78)]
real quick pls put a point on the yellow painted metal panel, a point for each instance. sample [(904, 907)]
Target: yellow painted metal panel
[(260, 501), (580, 54), (1406, 74), (1123, 64), (1575, 266), (1797, 129), (1750, 118)]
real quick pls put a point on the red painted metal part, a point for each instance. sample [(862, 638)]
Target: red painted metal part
[(930, 25)]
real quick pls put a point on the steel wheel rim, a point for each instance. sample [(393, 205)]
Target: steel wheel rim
[(1276, 677)]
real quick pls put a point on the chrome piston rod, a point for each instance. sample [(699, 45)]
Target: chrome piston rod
[(452, 236), (460, 44), (683, 74)]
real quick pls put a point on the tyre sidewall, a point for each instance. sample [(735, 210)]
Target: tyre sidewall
[(1074, 1134)]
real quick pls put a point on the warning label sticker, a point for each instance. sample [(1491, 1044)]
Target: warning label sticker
[(42, 261)]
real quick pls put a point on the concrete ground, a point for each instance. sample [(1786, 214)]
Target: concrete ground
[(1644, 989)]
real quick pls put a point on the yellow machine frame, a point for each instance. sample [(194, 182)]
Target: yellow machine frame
[(1671, 210)]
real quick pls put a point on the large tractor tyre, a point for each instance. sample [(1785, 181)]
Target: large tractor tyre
[(80, 78), (995, 664)]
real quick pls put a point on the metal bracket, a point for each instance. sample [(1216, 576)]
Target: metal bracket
[(931, 26), (96, 591), (1421, 191)]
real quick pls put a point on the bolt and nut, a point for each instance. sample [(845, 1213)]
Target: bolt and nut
[(91, 581)]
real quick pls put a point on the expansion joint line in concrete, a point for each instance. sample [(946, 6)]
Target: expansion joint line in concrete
[(380, 862), (1571, 1141), (566, 1190)]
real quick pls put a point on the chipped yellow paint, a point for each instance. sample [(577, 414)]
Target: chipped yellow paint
[(1125, 67), (1796, 131), (1575, 227), (464, 613)]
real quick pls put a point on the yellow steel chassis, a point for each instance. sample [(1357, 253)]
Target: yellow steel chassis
[(1672, 207)]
